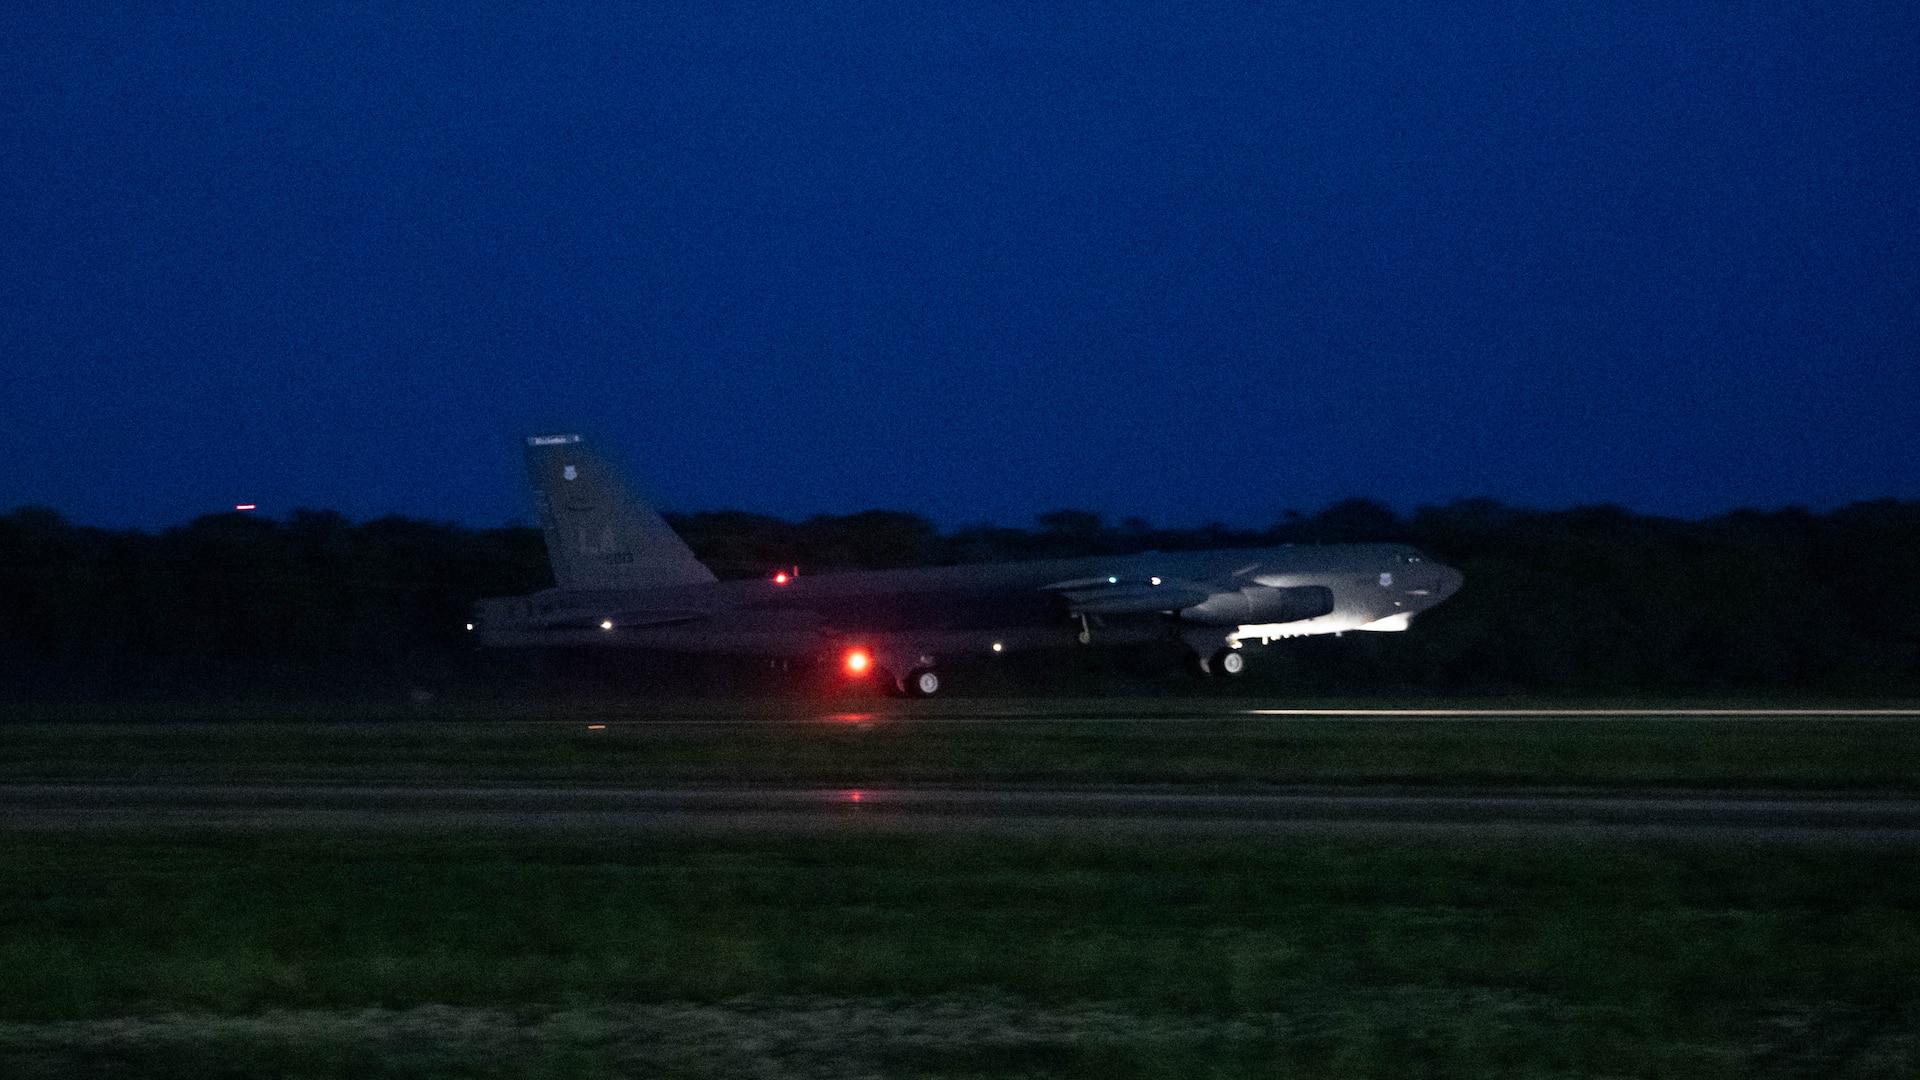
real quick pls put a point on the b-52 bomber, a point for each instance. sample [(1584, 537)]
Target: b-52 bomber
[(625, 579)]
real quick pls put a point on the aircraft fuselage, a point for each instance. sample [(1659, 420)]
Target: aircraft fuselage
[(626, 580), (1226, 596)]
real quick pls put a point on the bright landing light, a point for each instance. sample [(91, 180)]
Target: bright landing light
[(606, 624)]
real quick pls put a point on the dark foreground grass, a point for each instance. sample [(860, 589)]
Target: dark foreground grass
[(788, 744), (878, 955)]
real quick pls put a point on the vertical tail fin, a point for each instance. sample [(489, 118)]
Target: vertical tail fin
[(598, 535)]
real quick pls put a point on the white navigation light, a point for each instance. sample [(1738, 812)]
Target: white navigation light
[(469, 626), (1153, 581), (998, 647), (606, 624), (1113, 581)]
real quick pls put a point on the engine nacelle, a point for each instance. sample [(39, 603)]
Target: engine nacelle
[(1261, 604)]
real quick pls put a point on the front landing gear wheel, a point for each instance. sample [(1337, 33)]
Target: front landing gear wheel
[(1229, 662), (923, 682)]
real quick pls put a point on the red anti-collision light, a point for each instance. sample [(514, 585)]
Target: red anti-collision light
[(781, 578), (858, 662)]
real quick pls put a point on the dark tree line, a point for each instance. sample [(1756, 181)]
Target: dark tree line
[(1590, 600), (240, 606)]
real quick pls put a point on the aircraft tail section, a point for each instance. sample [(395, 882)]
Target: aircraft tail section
[(599, 536)]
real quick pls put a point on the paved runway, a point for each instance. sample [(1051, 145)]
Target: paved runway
[(1700, 815)]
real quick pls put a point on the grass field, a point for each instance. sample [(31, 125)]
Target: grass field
[(956, 956), (461, 953)]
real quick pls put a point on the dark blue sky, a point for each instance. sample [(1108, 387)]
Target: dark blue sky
[(1186, 261)]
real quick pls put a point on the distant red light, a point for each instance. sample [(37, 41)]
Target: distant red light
[(858, 662), (781, 578)]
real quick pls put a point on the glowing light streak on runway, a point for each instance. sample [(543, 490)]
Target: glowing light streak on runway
[(1469, 713), (1176, 714)]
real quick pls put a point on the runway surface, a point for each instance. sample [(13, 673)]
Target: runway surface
[(1700, 814)]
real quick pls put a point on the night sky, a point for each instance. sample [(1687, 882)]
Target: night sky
[(1185, 261)]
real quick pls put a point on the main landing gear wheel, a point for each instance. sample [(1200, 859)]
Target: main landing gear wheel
[(1229, 662), (923, 682)]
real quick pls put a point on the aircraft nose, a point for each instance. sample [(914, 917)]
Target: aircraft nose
[(1448, 583)]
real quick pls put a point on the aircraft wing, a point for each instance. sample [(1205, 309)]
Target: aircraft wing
[(1120, 596), (625, 620), (628, 620)]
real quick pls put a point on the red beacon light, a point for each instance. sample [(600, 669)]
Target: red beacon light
[(781, 578), (858, 661)]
